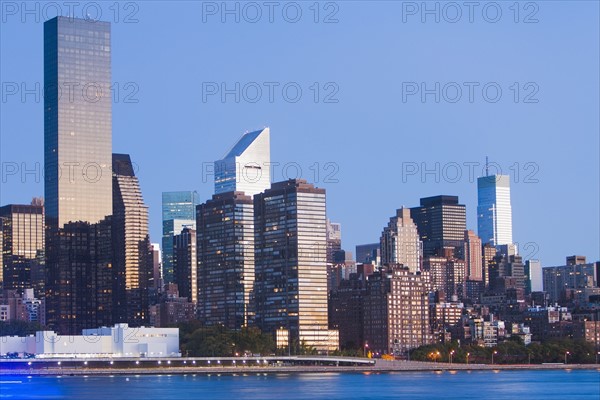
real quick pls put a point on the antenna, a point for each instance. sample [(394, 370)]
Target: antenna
[(487, 173)]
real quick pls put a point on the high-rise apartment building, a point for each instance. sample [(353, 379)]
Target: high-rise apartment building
[(291, 271), (396, 310), (334, 240), (225, 246), (22, 245), (132, 254), (178, 212), (441, 222), (247, 166), (400, 242), (562, 283), (494, 212), (533, 275)]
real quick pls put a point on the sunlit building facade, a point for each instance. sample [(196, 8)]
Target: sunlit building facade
[(494, 212)]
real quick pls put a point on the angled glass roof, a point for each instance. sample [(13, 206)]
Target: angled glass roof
[(243, 143)]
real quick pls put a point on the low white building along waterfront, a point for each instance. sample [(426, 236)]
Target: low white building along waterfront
[(120, 341)]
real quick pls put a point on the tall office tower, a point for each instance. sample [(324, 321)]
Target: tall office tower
[(334, 240), (291, 272), (77, 178), (441, 223), (247, 166), (22, 243), (494, 213), (368, 253), (472, 255), (396, 310), (178, 212), (533, 276), (79, 293), (185, 259), (488, 252), (225, 246), (132, 255), (400, 242), (77, 121)]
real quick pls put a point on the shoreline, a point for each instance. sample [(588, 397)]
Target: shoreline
[(379, 367)]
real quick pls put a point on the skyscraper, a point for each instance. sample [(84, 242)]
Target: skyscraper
[(77, 121), (78, 179), (246, 167), (290, 258), (334, 240), (132, 257), (494, 213), (441, 223), (225, 260), (22, 243), (178, 212), (400, 242)]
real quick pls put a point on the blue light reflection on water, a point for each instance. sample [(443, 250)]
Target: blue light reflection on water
[(408, 385)]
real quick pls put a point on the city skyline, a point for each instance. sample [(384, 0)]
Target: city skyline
[(359, 228)]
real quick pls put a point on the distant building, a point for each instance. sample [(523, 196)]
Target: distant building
[(563, 283), (185, 260), (156, 268), (291, 265), (334, 240), (22, 231), (396, 311), (400, 242), (368, 253), (172, 309), (447, 275), (472, 255), (178, 212), (115, 342), (441, 223), (494, 212), (346, 304), (533, 276), (247, 166), (225, 246)]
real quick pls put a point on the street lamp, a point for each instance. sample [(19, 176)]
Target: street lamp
[(566, 354), (450, 355), (365, 347), (468, 354), (597, 354), (493, 353), (437, 354)]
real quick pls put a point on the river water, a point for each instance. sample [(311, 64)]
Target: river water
[(521, 385)]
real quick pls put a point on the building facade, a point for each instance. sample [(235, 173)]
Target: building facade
[(400, 242), (225, 245), (185, 268), (441, 222), (247, 166), (291, 264), (494, 212)]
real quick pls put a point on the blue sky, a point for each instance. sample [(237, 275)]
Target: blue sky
[(372, 60)]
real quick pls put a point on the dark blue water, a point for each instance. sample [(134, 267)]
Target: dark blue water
[(522, 385)]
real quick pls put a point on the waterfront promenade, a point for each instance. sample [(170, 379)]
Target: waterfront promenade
[(248, 365)]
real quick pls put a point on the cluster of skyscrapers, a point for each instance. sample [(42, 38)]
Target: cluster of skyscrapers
[(256, 253)]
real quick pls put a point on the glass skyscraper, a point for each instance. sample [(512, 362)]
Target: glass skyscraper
[(494, 213), (178, 212), (77, 121), (246, 167)]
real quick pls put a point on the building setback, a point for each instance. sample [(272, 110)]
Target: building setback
[(291, 271), (400, 242), (225, 246)]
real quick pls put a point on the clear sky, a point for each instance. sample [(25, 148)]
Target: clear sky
[(371, 63)]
